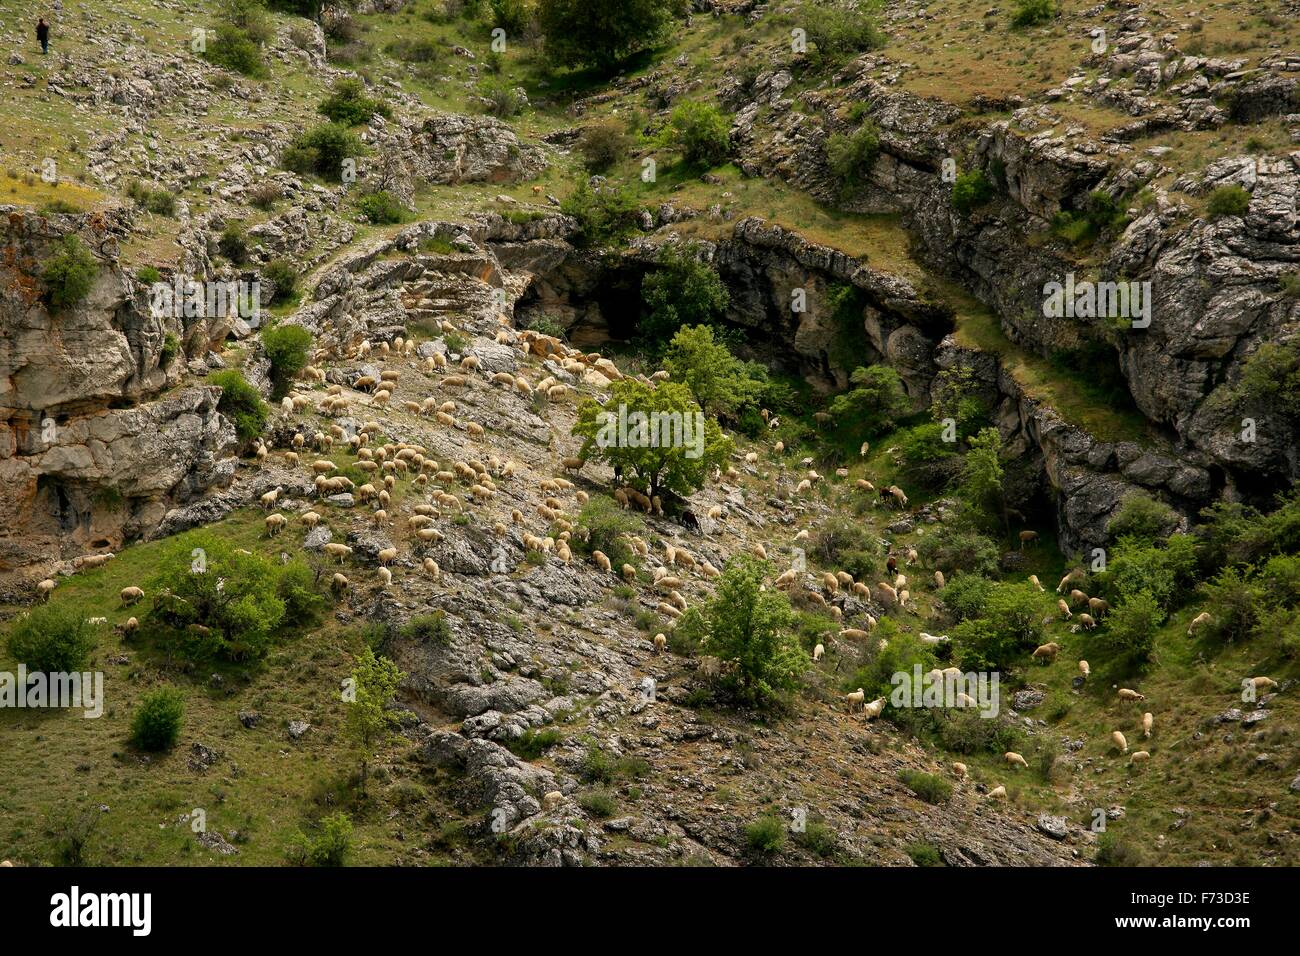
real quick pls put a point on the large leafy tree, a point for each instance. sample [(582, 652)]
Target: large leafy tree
[(873, 405), (601, 33), (683, 290), (749, 629), (719, 381), (369, 722), (981, 477), (674, 450)]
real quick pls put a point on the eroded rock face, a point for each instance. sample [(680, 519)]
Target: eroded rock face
[(454, 148)]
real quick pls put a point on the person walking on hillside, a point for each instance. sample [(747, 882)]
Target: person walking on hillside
[(43, 35)]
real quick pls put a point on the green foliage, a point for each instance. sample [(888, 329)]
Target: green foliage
[(1027, 13), (148, 275), (157, 201), (817, 838), (283, 277), (170, 349), (599, 803), (69, 273), (748, 629), (288, 348), (329, 847), (1011, 626), (926, 786), (667, 461), (966, 596), (348, 104), (233, 244), (873, 404), (952, 549), (1231, 533), (840, 31), (368, 722), (322, 150), (58, 207), (533, 743), (970, 191), (1271, 377), (156, 725), (1232, 200), (850, 156), (900, 655), (1237, 603), (605, 214), (237, 45), (604, 144), (849, 343), (1130, 631), (1099, 215), (513, 16), (682, 290), (502, 98), (1166, 571), (1142, 517), (981, 479), (840, 542), (1112, 851), (602, 33), (923, 854), (765, 835), (1280, 578), (241, 403), (602, 526), (52, 639), (381, 208), (211, 600), (925, 459), (701, 133), (427, 629), (719, 382)]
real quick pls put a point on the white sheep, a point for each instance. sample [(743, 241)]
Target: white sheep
[(1147, 721), (855, 699), (1120, 741), (1015, 760), (818, 651)]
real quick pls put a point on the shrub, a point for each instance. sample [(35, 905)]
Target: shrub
[(682, 290), (502, 98), (513, 16), (719, 382), (415, 50), (839, 536), (851, 156), (322, 150), (1031, 12), (288, 348), (603, 144), (59, 207), (970, 191), (1236, 603), (1143, 517), (701, 133), (156, 725), (348, 104), (601, 33), (331, 845), (926, 786), (605, 214), (170, 349), (839, 32), (923, 854), (427, 628), (926, 460), (601, 526), (966, 596), (69, 273), (765, 835), (953, 549), (1230, 200), (533, 743), (381, 208), (1011, 626), (599, 803), (241, 31), (148, 275), (818, 838), (283, 278), (51, 639), (1130, 631), (1271, 376), (264, 196), (232, 244), (1112, 851), (873, 404), (241, 403)]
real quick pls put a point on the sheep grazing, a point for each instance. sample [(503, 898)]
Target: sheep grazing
[(1085, 671), (339, 583), (385, 577), (715, 513), (1015, 760), (1087, 621), (1147, 721), (1077, 597), (628, 572), (759, 551), (938, 579), (310, 519), (854, 634), (959, 770), (933, 640), (552, 799), (1033, 579), (709, 571), (130, 595), (818, 651), (336, 550), (1098, 607), (1028, 537), (275, 524), (1076, 575), (45, 588), (831, 583), (1263, 683), (130, 626), (1127, 694), (855, 699), (268, 499), (912, 556), (1120, 741), (874, 709), (1064, 609), (386, 555), (1198, 622), (1139, 756), (431, 567), (602, 561), (1046, 652), (998, 793), (661, 642), (888, 596)]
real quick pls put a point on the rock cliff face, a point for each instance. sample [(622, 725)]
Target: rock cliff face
[(90, 454)]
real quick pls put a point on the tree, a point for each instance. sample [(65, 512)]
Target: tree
[(682, 290), (52, 639), (1011, 624), (157, 723), (604, 213), (839, 31), (981, 476), (718, 381), (349, 105), (241, 403), (1142, 517), (748, 629), (701, 133), (69, 273), (287, 347), (657, 438), (1130, 631), (369, 722), (602, 33), (850, 156), (873, 405)]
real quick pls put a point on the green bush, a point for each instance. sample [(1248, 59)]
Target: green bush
[(51, 639), (953, 549), (817, 838), (283, 278), (1271, 376), (682, 290), (1112, 851), (1030, 12), (599, 803), (1236, 602), (348, 104), (765, 835), (322, 150), (966, 596), (1228, 201), (602, 33), (923, 854), (241, 403), (604, 144), (171, 347), (331, 845), (148, 275), (970, 191), (840, 32), (427, 628), (59, 207), (156, 725), (533, 743), (513, 16), (69, 273), (605, 214), (850, 156), (288, 347), (719, 382), (502, 98), (1130, 630), (1011, 626), (381, 208), (926, 786), (926, 460), (241, 30), (233, 244), (873, 405), (602, 526), (1143, 517), (701, 133)]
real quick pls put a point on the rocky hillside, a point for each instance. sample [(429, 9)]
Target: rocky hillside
[(466, 292)]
